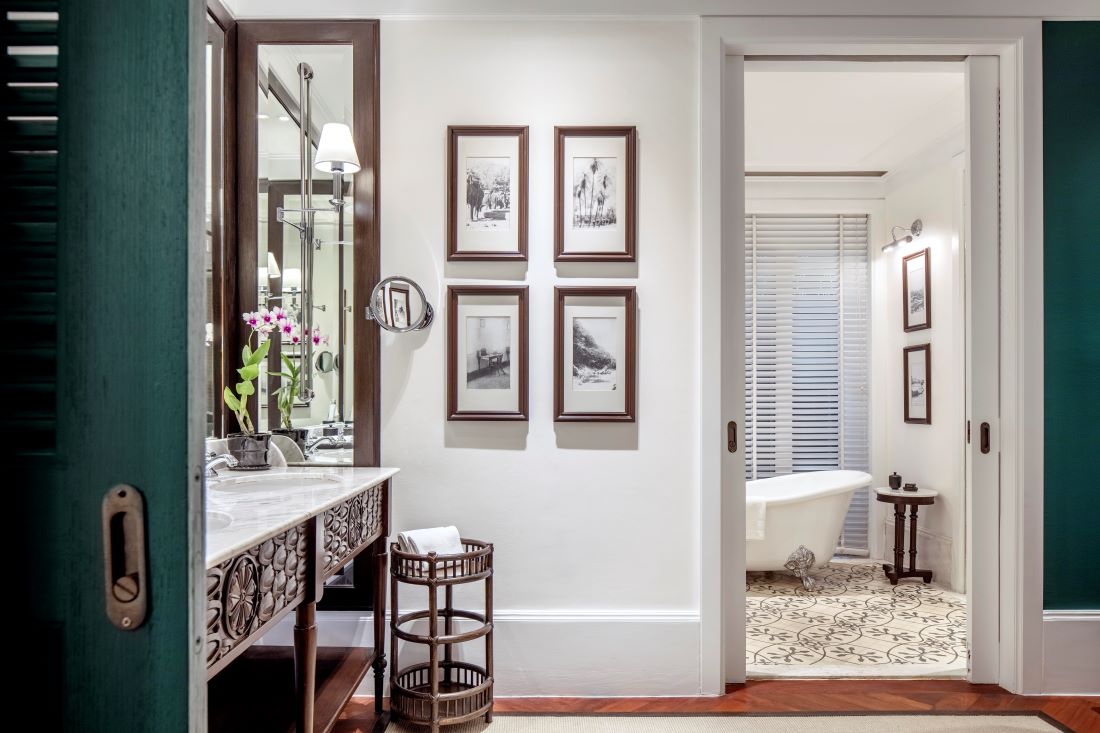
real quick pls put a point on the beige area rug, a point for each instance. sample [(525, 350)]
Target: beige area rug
[(754, 723), (855, 625)]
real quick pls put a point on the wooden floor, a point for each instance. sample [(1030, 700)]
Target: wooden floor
[(780, 696)]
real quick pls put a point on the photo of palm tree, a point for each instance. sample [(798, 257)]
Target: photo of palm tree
[(594, 193), (594, 364), (488, 193)]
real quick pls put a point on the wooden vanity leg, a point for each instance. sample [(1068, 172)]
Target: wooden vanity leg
[(380, 568), (305, 663), (912, 538)]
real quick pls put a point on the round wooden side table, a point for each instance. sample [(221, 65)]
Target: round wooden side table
[(900, 498)]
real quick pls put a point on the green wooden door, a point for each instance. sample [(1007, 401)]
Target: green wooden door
[(102, 268)]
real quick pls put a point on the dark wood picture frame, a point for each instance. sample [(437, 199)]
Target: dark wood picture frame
[(926, 253), (629, 192), (454, 293), (454, 132), (403, 289), (927, 349), (629, 296)]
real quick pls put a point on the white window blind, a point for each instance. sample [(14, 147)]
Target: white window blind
[(807, 347)]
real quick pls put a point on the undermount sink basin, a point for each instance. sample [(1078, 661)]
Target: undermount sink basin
[(217, 520), (272, 481)]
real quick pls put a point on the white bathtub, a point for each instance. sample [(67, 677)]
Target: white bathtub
[(802, 509)]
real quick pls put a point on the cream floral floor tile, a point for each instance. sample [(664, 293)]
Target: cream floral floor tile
[(855, 625)]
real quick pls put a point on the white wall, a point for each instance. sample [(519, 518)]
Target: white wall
[(929, 455), (595, 526)]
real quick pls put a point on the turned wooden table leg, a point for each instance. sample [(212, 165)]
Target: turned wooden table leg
[(899, 543), (912, 538), (305, 663)]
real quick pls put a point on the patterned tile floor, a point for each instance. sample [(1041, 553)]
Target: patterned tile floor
[(855, 625)]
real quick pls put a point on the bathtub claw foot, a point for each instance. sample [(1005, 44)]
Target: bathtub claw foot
[(799, 563)]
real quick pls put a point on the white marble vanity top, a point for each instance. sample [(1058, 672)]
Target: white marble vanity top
[(244, 508)]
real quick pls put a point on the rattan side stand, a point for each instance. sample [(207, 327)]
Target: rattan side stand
[(417, 692)]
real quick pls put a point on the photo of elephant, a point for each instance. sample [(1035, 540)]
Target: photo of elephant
[(488, 193)]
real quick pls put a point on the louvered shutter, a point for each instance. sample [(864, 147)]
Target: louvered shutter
[(29, 279), (807, 338)]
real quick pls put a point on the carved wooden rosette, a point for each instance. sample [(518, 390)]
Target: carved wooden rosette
[(350, 525), (247, 591)]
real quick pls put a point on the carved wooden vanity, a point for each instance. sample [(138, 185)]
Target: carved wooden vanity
[(273, 539)]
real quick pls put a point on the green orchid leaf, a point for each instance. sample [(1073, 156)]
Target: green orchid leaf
[(245, 389), (259, 354), (249, 372), (231, 400), (246, 353)]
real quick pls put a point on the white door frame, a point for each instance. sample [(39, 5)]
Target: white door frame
[(1018, 44)]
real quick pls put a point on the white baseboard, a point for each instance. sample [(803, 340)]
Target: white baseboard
[(1071, 652), (555, 652)]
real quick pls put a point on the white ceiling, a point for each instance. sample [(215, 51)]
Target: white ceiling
[(825, 116)]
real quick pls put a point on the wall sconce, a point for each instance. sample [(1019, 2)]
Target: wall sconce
[(913, 230), (336, 155)]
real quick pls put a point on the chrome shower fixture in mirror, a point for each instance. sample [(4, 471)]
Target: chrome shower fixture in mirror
[(397, 304)]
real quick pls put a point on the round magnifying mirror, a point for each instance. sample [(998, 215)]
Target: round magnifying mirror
[(399, 305), (325, 362)]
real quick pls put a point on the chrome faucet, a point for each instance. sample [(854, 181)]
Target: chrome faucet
[(214, 459), (336, 441)]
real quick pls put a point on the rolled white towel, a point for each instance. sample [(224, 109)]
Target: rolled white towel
[(440, 540), (755, 517)]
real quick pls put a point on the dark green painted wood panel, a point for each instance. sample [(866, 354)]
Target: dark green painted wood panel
[(130, 75), (1071, 263)]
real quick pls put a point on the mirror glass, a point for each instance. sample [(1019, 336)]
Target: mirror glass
[(398, 304), (326, 419), (214, 219)]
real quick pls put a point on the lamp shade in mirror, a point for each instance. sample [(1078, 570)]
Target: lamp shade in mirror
[(336, 149), (273, 270), (292, 278)]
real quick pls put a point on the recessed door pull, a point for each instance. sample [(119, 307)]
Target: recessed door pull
[(731, 436), (984, 437), (125, 579)]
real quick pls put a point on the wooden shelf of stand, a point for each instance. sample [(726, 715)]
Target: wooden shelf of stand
[(256, 691)]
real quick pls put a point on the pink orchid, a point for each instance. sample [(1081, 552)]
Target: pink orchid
[(287, 326), (252, 319), (265, 315), (279, 314)]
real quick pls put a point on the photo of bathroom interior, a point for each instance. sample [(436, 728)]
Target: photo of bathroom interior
[(840, 190), (542, 370)]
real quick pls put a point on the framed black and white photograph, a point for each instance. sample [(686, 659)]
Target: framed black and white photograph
[(918, 384), (487, 353), (399, 305), (916, 288), (595, 345), (595, 216), (486, 193)]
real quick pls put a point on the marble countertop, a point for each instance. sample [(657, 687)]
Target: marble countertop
[(243, 509), (918, 494)]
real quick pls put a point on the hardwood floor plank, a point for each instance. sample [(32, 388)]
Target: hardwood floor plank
[(1081, 714)]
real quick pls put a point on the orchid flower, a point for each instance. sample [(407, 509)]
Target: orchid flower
[(279, 314)]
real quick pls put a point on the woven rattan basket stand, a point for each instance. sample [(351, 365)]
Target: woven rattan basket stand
[(441, 691)]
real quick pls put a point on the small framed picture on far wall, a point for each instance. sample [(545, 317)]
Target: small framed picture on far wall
[(486, 193), (595, 354), (916, 289), (917, 364), (595, 212), (487, 352)]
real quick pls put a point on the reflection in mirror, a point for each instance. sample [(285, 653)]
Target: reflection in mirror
[(398, 304), (214, 219), (322, 425)]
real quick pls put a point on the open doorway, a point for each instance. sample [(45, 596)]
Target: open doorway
[(855, 368)]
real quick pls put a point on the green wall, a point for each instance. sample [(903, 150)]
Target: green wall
[(1071, 174)]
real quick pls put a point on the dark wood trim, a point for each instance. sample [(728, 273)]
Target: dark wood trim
[(219, 212), (221, 15), (815, 174), (630, 194), (455, 292), (628, 294), (362, 36), (927, 254), (453, 133), (927, 349)]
